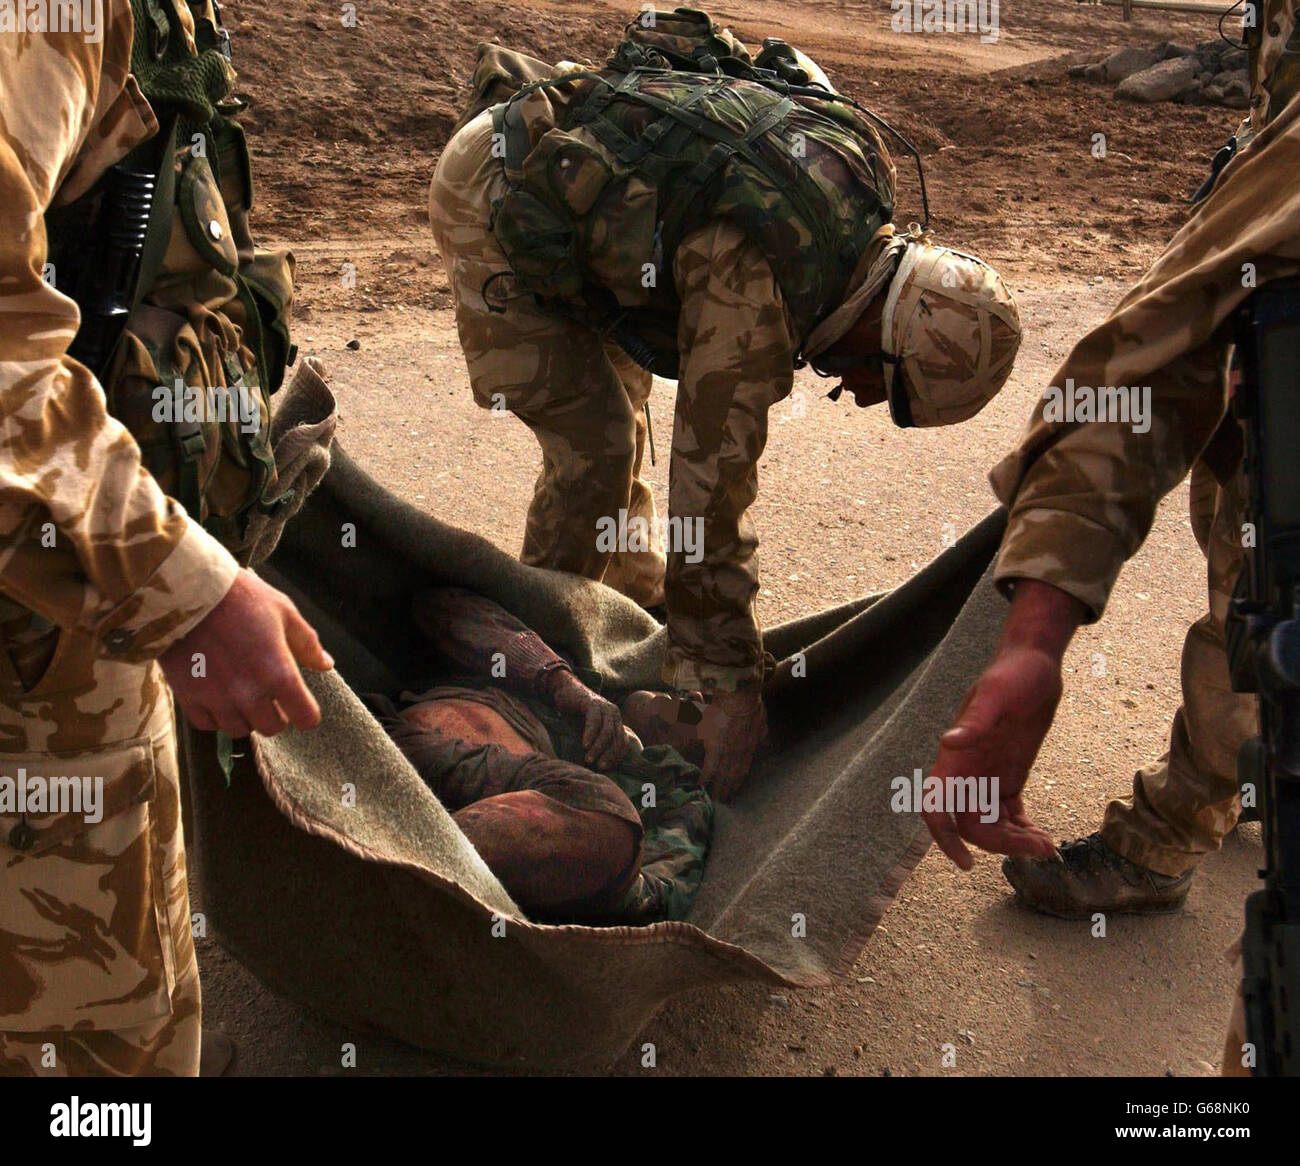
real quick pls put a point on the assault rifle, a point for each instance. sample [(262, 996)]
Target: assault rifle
[(1263, 635)]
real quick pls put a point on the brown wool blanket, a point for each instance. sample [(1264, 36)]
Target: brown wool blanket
[(336, 877)]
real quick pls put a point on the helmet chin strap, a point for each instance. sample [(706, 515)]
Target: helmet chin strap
[(835, 366), (900, 408)]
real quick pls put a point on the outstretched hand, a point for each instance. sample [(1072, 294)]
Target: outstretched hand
[(1001, 725), (998, 732)]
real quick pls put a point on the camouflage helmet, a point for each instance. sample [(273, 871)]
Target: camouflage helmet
[(949, 331)]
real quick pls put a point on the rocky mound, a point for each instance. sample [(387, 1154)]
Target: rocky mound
[(1213, 73)]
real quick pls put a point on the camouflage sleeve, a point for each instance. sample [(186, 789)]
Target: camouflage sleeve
[(86, 536), (1083, 491), (1274, 61), (738, 348)]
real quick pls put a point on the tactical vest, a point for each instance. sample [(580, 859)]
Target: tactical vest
[(647, 154), (184, 321)]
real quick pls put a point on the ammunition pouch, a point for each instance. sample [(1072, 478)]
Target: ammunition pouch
[(185, 320)]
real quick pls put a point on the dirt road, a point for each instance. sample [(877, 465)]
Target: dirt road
[(345, 140)]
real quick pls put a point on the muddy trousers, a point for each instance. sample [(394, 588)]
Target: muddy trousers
[(1183, 805), (565, 841), (97, 967), (582, 398)]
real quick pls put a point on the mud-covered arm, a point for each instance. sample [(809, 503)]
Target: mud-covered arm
[(480, 636), (737, 349), (484, 638), (86, 535)]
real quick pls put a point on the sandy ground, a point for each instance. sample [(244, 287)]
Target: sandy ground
[(849, 503)]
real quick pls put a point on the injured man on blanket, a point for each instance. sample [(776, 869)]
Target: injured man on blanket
[(579, 817)]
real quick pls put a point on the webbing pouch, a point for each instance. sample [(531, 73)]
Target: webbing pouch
[(539, 241), (572, 170)]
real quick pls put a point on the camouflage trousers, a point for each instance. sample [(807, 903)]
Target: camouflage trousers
[(582, 397), (1183, 805), (97, 967)]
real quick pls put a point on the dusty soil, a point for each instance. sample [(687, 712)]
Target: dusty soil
[(346, 126)]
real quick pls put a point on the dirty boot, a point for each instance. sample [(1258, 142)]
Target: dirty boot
[(1089, 877), (216, 1053)]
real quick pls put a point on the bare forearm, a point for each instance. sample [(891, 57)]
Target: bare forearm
[(1042, 618)]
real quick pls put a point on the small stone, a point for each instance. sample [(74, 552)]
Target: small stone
[(354, 344)]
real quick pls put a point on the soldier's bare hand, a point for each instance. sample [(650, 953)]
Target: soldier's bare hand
[(998, 731), (238, 670), (733, 728), (1001, 726)]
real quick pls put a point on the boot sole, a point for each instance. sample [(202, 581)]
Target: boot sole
[(1136, 909)]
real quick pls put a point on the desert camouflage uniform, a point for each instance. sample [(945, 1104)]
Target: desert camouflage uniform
[(1083, 496), (582, 399), (99, 573)]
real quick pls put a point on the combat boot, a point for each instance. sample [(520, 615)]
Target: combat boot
[(1087, 877), (216, 1053)]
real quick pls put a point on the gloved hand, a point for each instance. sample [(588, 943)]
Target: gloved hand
[(604, 736)]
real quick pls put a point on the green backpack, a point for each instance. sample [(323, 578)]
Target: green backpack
[(681, 128), (184, 320)]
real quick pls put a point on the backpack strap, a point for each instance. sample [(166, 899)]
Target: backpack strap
[(509, 128), (159, 232)]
